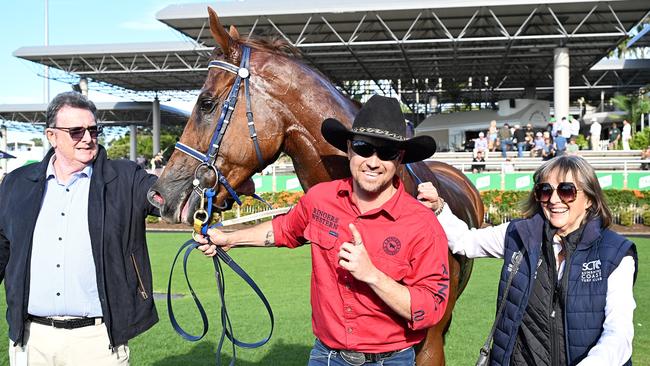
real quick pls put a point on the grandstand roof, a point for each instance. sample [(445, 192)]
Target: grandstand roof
[(135, 66), (111, 113), (510, 42), (432, 46)]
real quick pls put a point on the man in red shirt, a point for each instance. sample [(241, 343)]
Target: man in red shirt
[(379, 257)]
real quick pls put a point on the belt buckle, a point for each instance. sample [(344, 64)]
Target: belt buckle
[(68, 324), (353, 358)]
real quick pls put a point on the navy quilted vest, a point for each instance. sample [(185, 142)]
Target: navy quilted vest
[(597, 254)]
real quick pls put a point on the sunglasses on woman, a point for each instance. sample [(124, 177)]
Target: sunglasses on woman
[(567, 192), (366, 150), (78, 133)]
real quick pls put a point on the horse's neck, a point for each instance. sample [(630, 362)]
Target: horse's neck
[(312, 100)]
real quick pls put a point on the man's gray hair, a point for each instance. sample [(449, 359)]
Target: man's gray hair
[(70, 99)]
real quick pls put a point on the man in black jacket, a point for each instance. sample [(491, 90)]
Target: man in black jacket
[(73, 253)]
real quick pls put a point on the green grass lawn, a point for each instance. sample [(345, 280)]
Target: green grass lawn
[(284, 277)]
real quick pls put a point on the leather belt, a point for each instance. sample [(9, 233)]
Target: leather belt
[(359, 358), (67, 323)]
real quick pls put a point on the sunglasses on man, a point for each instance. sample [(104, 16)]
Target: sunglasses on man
[(366, 150), (567, 192), (78, 133)]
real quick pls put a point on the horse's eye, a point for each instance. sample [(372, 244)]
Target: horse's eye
[(206, 105)]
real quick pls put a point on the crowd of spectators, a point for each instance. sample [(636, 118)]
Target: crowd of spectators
[(565, 136), (558, 138)]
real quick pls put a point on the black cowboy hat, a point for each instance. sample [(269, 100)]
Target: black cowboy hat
[(380, 120)]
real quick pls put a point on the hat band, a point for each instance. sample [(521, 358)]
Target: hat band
[(377, 131)]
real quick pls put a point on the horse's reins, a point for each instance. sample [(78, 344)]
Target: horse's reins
[(203, 215)]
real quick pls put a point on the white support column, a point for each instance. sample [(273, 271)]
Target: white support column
[(642, 121), (46, 79), (133, 140), (561, 82), (83, 86), (3, 147), (156, 126)]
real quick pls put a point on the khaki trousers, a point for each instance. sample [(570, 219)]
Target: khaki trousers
[(49, 346)]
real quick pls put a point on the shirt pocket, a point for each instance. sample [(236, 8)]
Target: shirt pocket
[(324, 254), (395, 268), (321, 236)]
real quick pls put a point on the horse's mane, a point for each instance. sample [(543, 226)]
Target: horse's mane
[(279, 46), (272, 44)]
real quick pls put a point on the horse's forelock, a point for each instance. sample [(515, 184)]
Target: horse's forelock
[(272, 44)]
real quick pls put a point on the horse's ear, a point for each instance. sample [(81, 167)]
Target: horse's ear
[(234, 33), (223, 39)]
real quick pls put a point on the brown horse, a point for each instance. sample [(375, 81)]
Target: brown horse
[(289, 102)]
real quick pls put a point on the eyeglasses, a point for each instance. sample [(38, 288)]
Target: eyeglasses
[(78, 133), (366, 150), (567, 192)]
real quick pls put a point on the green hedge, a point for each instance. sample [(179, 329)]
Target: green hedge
[(507, 199), (508, 203), (504, 204)]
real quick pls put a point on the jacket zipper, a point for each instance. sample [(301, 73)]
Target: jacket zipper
[(141, 289), (555, 344), (565, 280), (555, 357)]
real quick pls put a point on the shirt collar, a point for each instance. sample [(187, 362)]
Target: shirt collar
[(390, 207), (51, 172)]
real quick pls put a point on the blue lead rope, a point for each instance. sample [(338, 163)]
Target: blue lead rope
[(415, 176), (227, 331)]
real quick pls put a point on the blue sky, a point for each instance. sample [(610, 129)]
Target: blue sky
[(71, 22)]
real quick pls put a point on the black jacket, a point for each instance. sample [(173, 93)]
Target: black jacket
[(117, 209)]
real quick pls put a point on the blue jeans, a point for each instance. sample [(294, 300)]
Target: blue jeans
[(520, 149), (504, 146), (320, 355)]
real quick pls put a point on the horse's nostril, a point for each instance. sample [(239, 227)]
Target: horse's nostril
[(155, 197)]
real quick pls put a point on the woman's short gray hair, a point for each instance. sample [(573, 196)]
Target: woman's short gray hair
[(585, 178), (70, 99)]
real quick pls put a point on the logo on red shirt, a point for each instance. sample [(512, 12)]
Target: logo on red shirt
[(392, 245), (325, 218)]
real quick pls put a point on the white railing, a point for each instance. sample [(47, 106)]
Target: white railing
[(528, 164), (278, 168), (253, 214)]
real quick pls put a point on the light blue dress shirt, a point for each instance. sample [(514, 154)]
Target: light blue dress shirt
[(63, 281)]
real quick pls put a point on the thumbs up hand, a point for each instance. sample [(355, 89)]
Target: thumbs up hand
[(354, 257)]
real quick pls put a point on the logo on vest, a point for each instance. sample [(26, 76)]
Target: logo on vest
[(591, 272), (514, 261)]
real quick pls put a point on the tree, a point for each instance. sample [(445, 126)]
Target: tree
[(634, 105), (144, 147), (640, 140)]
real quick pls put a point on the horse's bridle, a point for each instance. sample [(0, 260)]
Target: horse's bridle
[(203, 215), (208, 159)]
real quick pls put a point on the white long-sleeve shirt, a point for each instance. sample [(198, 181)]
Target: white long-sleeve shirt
[(626, 133), (614, 347)]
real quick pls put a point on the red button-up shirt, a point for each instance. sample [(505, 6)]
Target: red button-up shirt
[(403, 239)]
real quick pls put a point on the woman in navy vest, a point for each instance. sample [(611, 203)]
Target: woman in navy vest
[(570, 302)]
